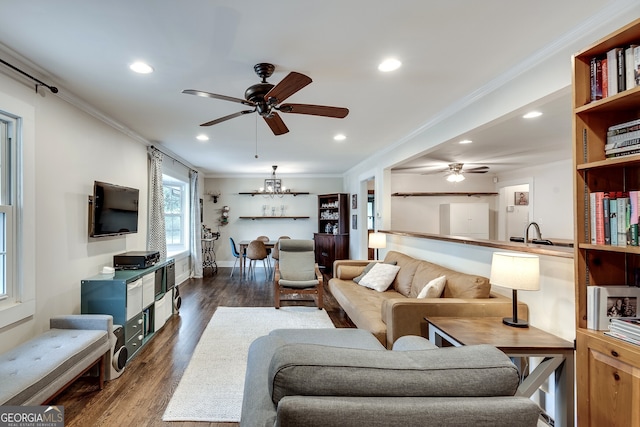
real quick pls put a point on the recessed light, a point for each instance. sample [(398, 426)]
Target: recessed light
[(339, 137), (202, 137), (141, 68), (390, 64), (466, 141), (532, 114)]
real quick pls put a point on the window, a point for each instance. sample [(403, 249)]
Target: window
[(8, 136), (176, 213)]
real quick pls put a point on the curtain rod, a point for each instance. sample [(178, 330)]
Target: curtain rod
[(53, 89), (173, 158)]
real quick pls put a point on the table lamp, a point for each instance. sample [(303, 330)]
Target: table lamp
[(515, 271), (377, 240)]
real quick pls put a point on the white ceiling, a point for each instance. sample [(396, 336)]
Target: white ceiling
[(449, 49)]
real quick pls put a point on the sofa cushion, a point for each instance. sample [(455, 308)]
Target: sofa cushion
[(434, 288), (380, 277), (316, 370), (459, 285), (408, 266), (363, 305)]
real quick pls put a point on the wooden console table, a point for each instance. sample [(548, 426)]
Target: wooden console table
[(557, 354)]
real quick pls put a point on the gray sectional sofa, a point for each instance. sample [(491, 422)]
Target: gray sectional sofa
[(345, 377)]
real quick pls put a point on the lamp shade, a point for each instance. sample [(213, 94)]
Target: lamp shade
[(515, 271), (377, 240)]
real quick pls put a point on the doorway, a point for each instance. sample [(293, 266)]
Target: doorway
[(515, 205)]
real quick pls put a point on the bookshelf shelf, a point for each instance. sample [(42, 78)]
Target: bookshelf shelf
[(607, 380)]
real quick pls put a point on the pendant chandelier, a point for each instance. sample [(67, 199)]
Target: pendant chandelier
[(273, 185)]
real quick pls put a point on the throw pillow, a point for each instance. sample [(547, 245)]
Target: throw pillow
[(434, 288), (380, 277), (368, 268)]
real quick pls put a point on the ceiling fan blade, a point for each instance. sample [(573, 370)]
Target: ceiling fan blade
[(479, 169), (216, 96), (276, 124), (287, 87), (315, 110), (225, 118)]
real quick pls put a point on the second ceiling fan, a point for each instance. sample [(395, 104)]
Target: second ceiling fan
[(266, 99)]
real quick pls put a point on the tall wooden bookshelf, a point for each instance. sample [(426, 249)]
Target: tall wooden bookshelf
[(608, 370)]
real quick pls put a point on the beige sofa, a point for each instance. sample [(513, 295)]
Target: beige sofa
[(397, 312)]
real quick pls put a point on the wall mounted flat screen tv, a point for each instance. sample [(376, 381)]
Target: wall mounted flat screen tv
[(114, 210)]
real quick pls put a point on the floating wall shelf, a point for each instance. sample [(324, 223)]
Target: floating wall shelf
[(257, 193), (418, 194), (274, 217)]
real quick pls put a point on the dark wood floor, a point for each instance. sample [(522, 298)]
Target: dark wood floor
[(140, 396)]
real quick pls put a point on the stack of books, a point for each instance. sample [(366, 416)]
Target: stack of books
[(623, 139), (625, 329)]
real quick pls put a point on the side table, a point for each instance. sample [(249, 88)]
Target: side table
[(557, 354)]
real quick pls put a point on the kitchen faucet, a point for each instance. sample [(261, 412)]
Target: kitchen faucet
[(526, 231)]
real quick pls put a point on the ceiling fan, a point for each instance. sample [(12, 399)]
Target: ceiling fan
[(266, 99), (456, 170)]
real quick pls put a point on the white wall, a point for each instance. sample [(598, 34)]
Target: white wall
[(245, 205), (422, 213), (72, 149)]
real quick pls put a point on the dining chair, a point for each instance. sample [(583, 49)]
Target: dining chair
[(275, 253), (257, 251), (297, 271), (236, 254), (266, 239)]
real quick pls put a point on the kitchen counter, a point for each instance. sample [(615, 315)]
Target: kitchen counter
[(562, 248)]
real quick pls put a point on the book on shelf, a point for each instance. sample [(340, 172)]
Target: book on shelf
[(636, 64), (622, 337), (605, 303), (630, 66), (597, 217), (613, 220), (595, 78), (625, 143), (626, 325), (623, 151), (612, 65)]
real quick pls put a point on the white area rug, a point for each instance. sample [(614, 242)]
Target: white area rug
[(212, 385)]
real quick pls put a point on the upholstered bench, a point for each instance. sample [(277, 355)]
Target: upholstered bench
[(36, 371)]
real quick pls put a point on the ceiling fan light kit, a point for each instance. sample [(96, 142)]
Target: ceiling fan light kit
[(266, 99)]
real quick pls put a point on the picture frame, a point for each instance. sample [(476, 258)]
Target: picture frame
[(521, 198), (354, 222), (354, 201), (276, 184), (607, 302)]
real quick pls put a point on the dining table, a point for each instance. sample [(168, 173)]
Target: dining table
[(243, 250)]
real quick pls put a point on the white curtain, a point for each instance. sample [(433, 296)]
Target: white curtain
[(196, 226), (157, 235)]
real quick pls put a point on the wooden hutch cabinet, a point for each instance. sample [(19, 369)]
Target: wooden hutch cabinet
[(608, 369), (332, 238)]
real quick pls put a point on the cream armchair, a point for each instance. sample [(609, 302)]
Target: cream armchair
[(296, 271)]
